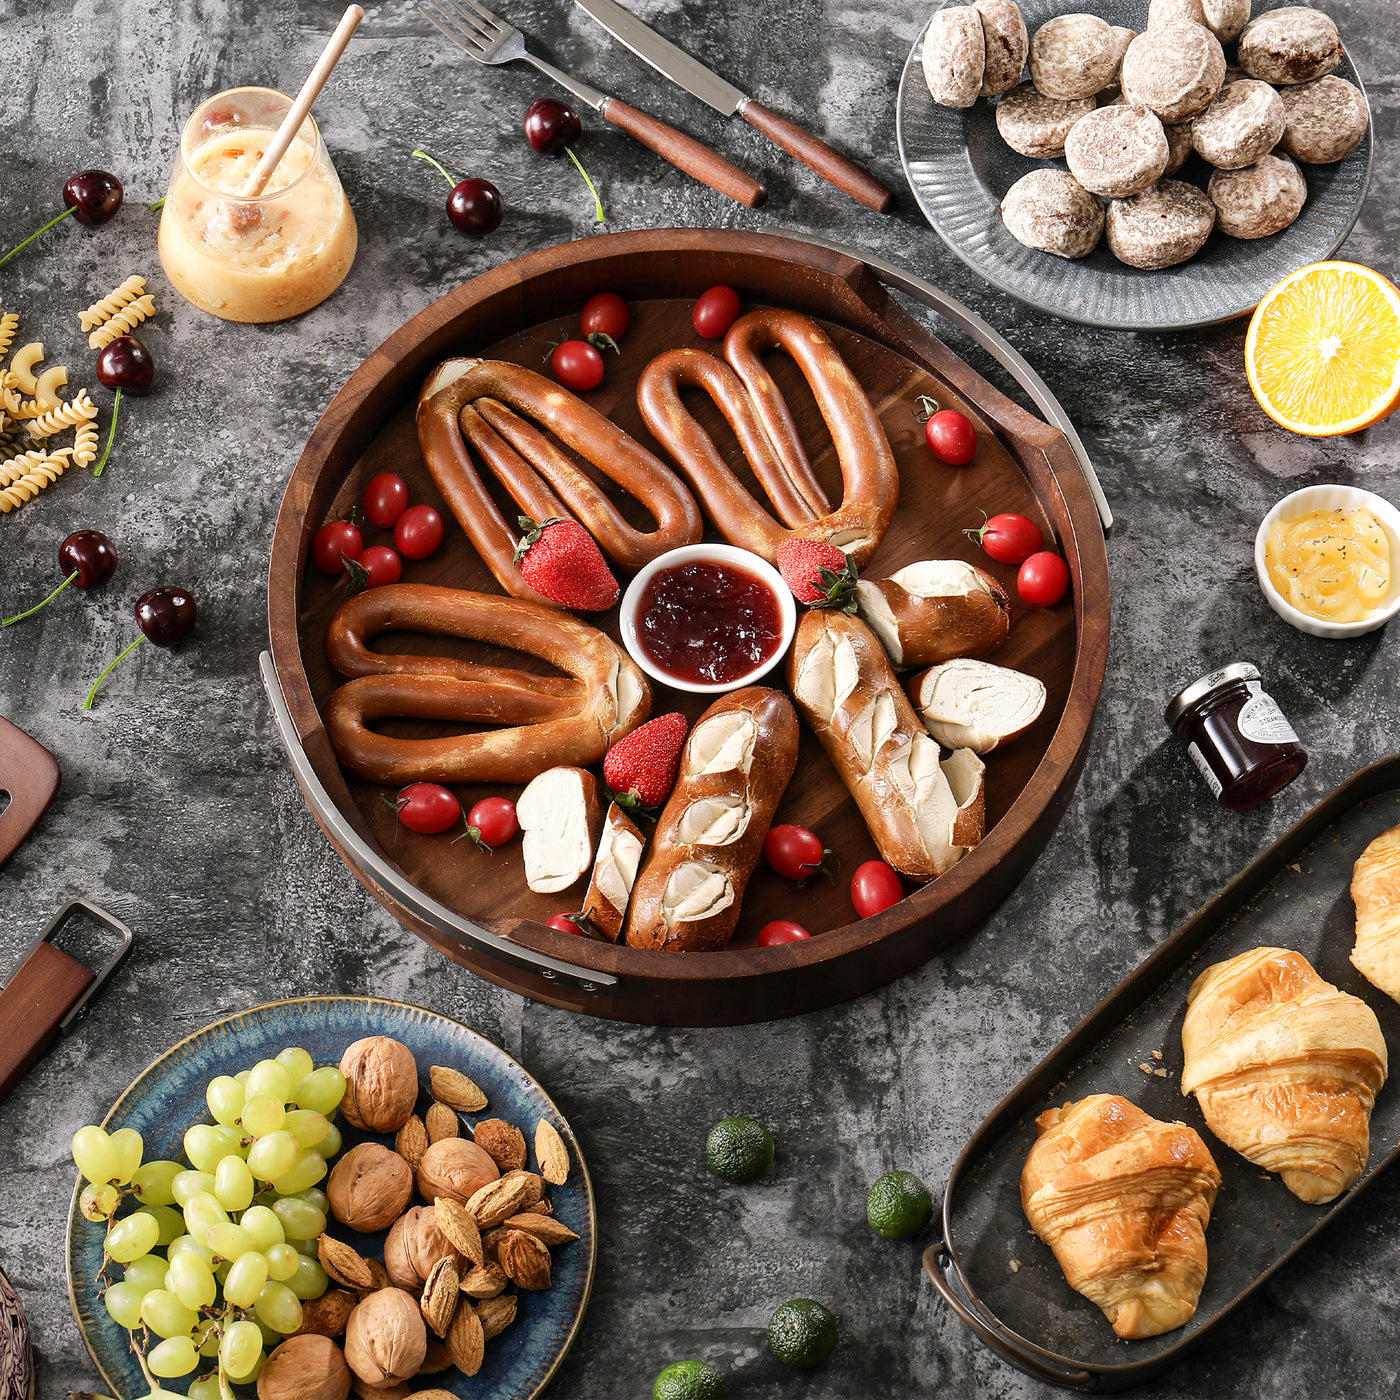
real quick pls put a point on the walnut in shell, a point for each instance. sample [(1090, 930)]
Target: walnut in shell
[(305, 1367), (455, 1168), (381, 1084), (369, 1188), (414, 1244), (496, 1314), (386, 1338)]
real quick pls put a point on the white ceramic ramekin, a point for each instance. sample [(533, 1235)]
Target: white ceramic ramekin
[(1312, 498), (715, 554)]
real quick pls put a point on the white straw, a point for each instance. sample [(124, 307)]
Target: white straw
[(310, 91)]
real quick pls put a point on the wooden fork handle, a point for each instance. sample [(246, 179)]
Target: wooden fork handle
[(685, 153), (816, 155)]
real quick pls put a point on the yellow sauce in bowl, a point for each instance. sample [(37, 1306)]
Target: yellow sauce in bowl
[(1330, 564)]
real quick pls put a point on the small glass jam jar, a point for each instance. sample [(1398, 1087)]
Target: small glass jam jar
[(1237, 736)]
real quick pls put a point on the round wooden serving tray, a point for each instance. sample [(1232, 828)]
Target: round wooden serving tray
[(476, 908)]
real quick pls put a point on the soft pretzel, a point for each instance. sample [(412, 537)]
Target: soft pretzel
[(744, 392), (481, 402), (569, 719)]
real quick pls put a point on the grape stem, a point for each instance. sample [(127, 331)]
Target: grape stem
[(111, 666), (33, 236), (437, 165), (19, 617), (111, 436), (592, 188)]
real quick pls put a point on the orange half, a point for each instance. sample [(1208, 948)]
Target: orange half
[(1323, 349)]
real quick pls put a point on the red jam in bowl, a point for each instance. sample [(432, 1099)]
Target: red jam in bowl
[(708, 623)]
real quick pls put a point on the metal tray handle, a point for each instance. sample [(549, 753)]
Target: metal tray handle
[(422, 906)]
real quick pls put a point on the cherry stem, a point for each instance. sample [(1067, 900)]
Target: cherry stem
[(33, 236), (592, 188), (19, 617), (111, 666), (116, 407), (158, 203), (437, 165)]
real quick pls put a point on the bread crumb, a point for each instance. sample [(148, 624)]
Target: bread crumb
[(1015, 1266), (1160, 1073), (1156, 1054), (1145, 1068)]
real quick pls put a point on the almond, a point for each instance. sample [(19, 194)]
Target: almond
[(436, 1360), (499, 1199), (459, 1225), (466, 1341), (551, 1153), (437, 1393), (380, 1274), (452, 1087), (534, 1186), (496, 1314), (400, 1391), (440, 1295), (327, 1315), (484, 1282), (490, 1242), (503, 1142), (541, 1207), (411, 1141), (441, 1123), (524, 1259), (343, 1264), (544, 1228)]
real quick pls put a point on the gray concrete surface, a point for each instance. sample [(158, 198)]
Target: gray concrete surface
[(179, 814)]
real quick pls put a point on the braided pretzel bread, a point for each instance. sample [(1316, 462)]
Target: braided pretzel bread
[(744, 392), (569, 719), (475, 399)]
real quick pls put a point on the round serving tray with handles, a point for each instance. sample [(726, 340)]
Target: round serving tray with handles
[(476, 908)]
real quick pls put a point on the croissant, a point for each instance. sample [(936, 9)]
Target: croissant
[(1123, 1200), (1375, 886), (1285, 1067)]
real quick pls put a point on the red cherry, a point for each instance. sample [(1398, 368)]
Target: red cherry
[(127, 365), (551, 125), (90, 555), (166, 615), (94, 196), (475, 206)]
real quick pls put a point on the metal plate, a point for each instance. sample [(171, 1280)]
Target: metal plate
[(959, 169)]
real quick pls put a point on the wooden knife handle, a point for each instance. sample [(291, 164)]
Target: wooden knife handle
[(33, 1003), (686, 153), (29, 773), (815, 154)]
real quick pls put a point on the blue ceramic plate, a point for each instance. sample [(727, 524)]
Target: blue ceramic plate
[(959, 169), (169, 1097)]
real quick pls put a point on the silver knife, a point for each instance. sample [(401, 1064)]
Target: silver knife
[(708, 86)]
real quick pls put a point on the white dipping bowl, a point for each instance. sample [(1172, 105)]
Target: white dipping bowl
[(713, 554), (1312, 498)]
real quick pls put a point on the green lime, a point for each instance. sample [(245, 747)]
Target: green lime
[(740, 1149), (802, 1332), (689, 1380), (899, 1206)]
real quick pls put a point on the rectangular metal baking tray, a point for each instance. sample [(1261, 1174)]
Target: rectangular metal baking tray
[(992, 1270)]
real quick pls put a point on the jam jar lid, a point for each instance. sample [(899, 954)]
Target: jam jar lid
[(1207, 685)]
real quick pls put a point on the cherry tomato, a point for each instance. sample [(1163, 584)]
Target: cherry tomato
[(381, 565), (418, 532), (795, 852), (951, 437), (494, 820), (1043, 579), (606, 314), (577, 365), (333, 543), (386, 498), (874, 887), (428, 808), (715, 312), (564, 924), (1008, 538), (781, 931)]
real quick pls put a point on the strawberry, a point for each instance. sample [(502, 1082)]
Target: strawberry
[(818, 573), (560, 559), (641, 768)]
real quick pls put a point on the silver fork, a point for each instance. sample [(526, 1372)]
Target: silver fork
[(490, 40)]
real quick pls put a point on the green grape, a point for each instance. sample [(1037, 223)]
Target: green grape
[(228, 1240), (202, 1213), (171, 1222), (242, 1077), (221, 1270), (189, 1184), (129, 1149), (123, 1302), (310, 1248), (175, 1356), (315, 1197), (146, 1273), (166, 1315), (206, 1388), (264, 1226), (210, 1345), (233, 1184), (262, 1114), (282, 1262), (306, 1170), (154, 1183), (310, 1280), (184, 1244), (191, 1280), (322, 1090), (307, 1126), (298, 1065), (279, 1307), (132, 1237), (270, 1077), (330, 1144), (240, 1349), (206, 1145), (225, 1099), (246, 1279), (272, 1155), (99, 1202), (95, 1158), (301, 1219)]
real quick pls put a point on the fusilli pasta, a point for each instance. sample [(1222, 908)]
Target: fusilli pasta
[(85, 443), (103, 310), (17, 407), (125, 320), (22, 364), (45, 472), (9, 324), (66, 415), (15, 467)]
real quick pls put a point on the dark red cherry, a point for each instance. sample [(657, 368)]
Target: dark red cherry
[(94, 196), (551, 125), (90, 555), (474, 206), (126, 364), (166, 615)]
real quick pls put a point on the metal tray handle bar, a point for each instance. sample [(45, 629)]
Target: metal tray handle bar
[(422, 906), (1005, 1343)]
